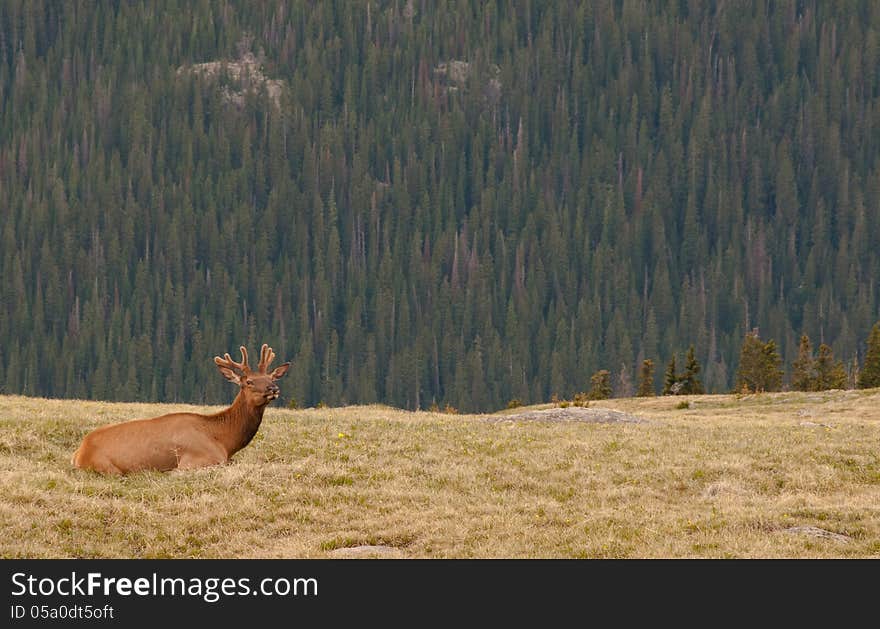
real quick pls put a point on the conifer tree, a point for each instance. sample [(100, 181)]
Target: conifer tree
[(869, 374), (600, 385), (803, 369), (758, 365), (748, 376), (670, 379), (829, 374), (646, 379), (770, 367), (691, 383)]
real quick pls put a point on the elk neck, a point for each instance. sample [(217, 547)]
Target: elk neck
[(237, 425)]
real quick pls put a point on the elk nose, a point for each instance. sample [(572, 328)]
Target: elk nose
[(273, 388)]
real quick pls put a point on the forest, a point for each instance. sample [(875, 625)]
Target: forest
[(455, 202)]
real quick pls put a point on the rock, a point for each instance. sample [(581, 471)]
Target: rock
[(455, 70), (815, 531), (367, 552), (815, 425), (722, 488), (574, 413), (453, 75), (245, 71)]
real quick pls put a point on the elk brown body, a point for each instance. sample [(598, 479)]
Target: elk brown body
[(187, 440)]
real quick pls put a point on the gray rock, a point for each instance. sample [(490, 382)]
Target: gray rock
[(573, 413), (815, 425), (815, 531), (367, 552)]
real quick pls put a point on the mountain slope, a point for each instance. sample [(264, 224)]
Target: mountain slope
[(456, 202)]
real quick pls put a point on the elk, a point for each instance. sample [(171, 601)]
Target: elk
[(186, 441)]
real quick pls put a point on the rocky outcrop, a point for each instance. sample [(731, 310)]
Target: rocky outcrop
[(573, 413), (245, 76)]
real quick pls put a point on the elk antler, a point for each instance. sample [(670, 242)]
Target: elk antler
[(266, 358), (227, 361)]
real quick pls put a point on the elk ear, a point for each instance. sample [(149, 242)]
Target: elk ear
[(280, 370)]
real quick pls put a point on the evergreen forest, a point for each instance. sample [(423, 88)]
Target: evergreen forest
[(451, 202)]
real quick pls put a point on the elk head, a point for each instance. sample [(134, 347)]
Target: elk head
[(258, 387)]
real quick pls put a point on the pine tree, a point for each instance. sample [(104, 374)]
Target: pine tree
[(770, 367), (748, 373), (600, 385), (690, 381), (869, 374), (646, 379), (803, 369), (829, 374), (670, 379), (758, 365)]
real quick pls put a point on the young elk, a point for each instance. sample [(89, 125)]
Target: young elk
[(187, 440)]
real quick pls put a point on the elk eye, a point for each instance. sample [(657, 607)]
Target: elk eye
[(250, 381)]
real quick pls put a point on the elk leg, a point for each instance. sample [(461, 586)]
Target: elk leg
[(103, 466), (191, 462), (203, 457)]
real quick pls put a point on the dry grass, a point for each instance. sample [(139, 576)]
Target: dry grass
[(723, 478)]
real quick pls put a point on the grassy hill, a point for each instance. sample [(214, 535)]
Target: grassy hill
[(773, 475)]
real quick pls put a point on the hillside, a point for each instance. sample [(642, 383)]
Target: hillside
[(460, 202), (772, 475)]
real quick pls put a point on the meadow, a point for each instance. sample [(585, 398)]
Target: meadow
[(780, 475)]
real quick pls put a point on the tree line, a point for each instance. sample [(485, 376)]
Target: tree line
[(760, 370), (458, 202)]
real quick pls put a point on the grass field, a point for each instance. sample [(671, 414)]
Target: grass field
[(772, 475)]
